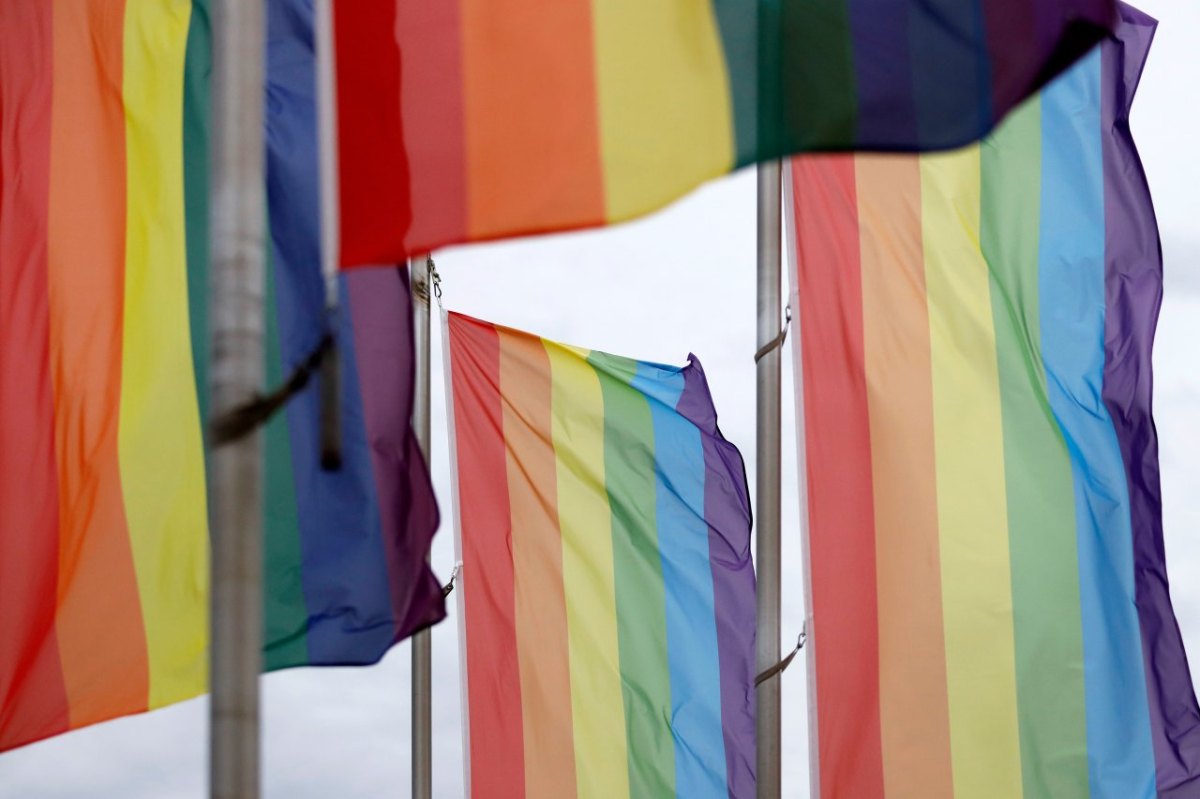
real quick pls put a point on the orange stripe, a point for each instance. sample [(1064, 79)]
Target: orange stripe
[(541, 609), (530, 110), (100, 629), (914, 714)]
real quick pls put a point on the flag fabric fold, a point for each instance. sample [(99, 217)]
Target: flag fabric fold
[(468, 120), (989, 601), (607, 593), (104, 136)]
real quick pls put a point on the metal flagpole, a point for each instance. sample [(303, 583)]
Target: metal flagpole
[(767, 497), (236, 311), (422, 650)]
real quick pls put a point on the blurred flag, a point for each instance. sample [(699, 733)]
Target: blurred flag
[(345, 551), (607, 592), (465, 120), (103, 526), (104, 132), (990, 614)]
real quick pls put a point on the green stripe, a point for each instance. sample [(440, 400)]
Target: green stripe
[(791, 75), (638, 578), (814, 79), (739, 40), (1041, 506), (285, 613), (196, 106)]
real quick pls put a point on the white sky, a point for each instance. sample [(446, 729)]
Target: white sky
[(679, 281)]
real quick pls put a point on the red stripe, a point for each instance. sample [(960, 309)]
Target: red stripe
[(840, 491), (374, 189), (493, 672), (435, 140), (33, 700)]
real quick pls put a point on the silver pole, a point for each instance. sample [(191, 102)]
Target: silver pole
[(235, 488), (768, 479), (422, 650)]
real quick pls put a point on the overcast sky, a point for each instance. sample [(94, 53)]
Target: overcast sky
[(679, 281)]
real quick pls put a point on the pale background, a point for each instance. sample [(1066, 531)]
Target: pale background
[(679, 281)]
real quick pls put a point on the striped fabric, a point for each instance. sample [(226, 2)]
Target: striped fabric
[(104, 132), (103, 529), (607, 590), (989, 596), (466, 120)]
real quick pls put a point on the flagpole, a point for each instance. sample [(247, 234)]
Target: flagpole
[(235, 479), (422, 651), (767, 493)]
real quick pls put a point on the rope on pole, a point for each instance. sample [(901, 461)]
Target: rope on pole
[(782, 665), (776, 342), (240, 421)]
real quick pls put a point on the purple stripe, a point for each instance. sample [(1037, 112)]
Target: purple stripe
[(1063, 32), (883, 71), (381, 312), (1133, 278), (727, 511)]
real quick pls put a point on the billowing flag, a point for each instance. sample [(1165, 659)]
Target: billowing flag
[(990, 614), (345, 551), (607, 592), (103, 364), (465, 120)]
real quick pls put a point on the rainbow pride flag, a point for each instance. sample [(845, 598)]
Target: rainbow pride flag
[(103, 526), (104, 127), (607, 592), (466, 120), (990, 613)]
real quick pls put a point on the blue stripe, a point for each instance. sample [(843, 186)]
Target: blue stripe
[(883, 73), (343, 563), (692, 652), (948, 46), (1071, 258)]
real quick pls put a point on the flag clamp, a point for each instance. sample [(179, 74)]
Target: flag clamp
[(448, 587)]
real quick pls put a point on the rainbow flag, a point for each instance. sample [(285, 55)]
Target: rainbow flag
[(607, 592), (103, 526), (467, 120), (104, 127), (990, 614)]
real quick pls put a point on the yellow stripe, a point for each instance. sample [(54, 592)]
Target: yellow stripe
[(972, 512), (666, 118), (162, 462), (597, 706)]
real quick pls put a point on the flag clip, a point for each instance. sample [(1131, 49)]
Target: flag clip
[(432, 280)]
